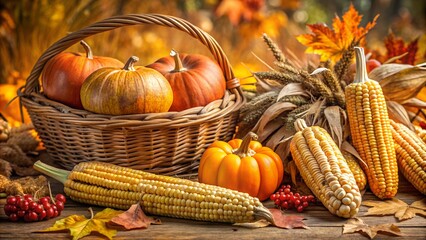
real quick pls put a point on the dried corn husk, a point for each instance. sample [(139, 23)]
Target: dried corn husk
[(313, 93), (398, 113), (414, 102), (292, 89), (399, 82), (337, 119), (271, 113), (385, 70)]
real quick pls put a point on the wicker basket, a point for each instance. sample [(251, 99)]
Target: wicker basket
[(164, 143)]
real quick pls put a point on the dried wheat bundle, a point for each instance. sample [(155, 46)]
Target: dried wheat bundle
[(288, 92)]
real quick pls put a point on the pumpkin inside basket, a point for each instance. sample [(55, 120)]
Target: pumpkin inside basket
[(167, 143)]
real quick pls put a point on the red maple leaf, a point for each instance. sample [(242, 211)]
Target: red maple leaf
[(396, 46)]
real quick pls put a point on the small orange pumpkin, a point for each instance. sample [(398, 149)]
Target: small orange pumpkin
[(243, 165)]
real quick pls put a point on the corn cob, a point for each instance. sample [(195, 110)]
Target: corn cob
[(118, 187), (360, 178), (420, 132), (324, 169), (371, 131), (411, 155)]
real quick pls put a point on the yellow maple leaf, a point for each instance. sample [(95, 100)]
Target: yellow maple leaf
[(79, 226), (331, 43)]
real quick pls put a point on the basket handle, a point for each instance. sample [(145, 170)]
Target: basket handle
[(33, 85)]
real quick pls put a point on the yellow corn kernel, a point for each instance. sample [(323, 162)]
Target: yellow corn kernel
[(109, 185), (324, 169), (411, 155), (371, 131), (420, 132), (360, 178)]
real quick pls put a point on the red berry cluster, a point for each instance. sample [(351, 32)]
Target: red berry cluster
[(285, 199), (26, 208)]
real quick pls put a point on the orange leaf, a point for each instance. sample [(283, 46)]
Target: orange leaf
[(133, 218), (331, 43), (287, 221), (238, 10), (233, 9)]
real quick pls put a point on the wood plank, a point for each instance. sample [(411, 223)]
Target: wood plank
[(322, 224)]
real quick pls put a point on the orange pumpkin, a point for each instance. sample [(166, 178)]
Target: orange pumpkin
[(196, 80), (64, 74), (242, 164), (128, 90)]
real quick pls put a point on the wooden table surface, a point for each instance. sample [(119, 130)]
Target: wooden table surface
[(322, 224)]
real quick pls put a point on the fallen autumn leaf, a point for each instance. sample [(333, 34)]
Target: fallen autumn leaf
[(354, 225), (396, 207), (133, 218), (79, 226)]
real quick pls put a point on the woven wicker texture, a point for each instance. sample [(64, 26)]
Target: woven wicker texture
[(167, 143)]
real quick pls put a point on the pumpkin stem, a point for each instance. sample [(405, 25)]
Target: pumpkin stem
[(300, 124), (244, 149), (87, 48), (178, 63), (361, 68), (130, 62)]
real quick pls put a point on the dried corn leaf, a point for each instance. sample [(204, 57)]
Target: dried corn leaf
[(283, 149), (319, 70), (271, 113), (293, 171), (313, 116), (262, 86), (269, 129), (346, 146), (404, 84), (385, 70), (336, 120), (414, 102), (398, 113), (292, 89), (346, 129), (282, 135)]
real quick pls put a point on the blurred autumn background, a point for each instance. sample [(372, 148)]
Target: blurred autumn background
[(29, 27)]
